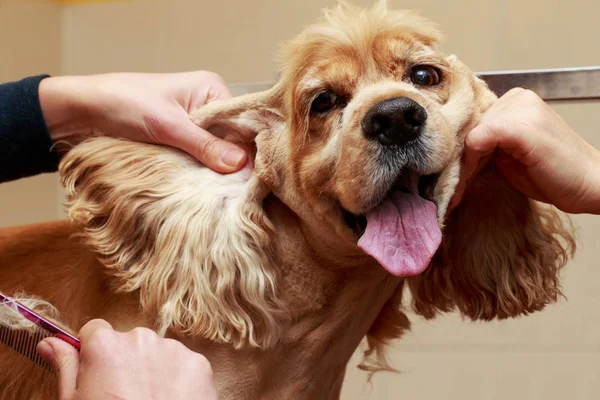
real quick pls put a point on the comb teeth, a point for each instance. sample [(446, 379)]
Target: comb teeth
[(25, 343)]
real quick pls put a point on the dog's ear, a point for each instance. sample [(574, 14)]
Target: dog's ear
[(242, 118), (196, 244), (500, 257), (501, 252)]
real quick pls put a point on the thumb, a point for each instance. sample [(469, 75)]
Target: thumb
[(217, 154), (64, 358), (483, 142)]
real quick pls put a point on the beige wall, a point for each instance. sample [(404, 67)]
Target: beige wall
[(29, 45), (551, 355), (239, 39)]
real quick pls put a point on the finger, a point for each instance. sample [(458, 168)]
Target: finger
[(217, 154), (481, 142), (512, 93), (92, 326), (512, 136), (218, 90), (64, 358), (517, 175)]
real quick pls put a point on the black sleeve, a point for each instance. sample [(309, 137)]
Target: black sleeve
[(25, 145)]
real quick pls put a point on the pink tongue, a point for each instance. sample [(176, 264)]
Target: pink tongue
[(402, 234)]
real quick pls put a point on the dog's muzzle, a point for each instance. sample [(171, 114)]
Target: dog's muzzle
[(396, 121)]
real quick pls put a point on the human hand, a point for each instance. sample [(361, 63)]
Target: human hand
[(150, 108), (134, 365), (536, 151)]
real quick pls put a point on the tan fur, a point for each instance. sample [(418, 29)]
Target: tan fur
[(10, 315), (257, 270), (521, 246), (196, 245)]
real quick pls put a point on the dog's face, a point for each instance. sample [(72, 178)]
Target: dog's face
[(377, 117), (377, 113), (364, 132)]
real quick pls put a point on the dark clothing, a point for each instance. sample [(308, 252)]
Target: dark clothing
[(25, 145)]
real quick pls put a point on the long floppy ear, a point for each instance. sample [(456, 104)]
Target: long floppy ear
[(501, 252), (247, 115), (500, 257), (196, 244)]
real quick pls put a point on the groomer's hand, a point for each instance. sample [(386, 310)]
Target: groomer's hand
[(134, 365), (536, 151), (142, 107)]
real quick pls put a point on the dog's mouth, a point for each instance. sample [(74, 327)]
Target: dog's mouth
[(402, 231), (408, 182)]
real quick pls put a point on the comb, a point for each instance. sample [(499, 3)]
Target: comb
[(25, 342)]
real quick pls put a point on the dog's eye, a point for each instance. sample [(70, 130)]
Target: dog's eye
[(324, 102), (425, 75)]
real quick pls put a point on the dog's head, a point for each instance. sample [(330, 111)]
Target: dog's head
[(363, 134), (362, 138)]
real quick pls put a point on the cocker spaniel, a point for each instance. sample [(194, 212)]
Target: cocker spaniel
[(278, 272)]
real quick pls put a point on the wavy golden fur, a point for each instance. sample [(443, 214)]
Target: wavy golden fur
[(258, 268), (196, 245)]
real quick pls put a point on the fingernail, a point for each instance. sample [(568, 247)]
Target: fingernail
[(232, 157), (45, 350)]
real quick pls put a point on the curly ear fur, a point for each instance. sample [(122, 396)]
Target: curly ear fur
[(500, 257), (196, 244)]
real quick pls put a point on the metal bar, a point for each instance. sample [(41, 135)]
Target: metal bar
[(564, 84), (550, 84)]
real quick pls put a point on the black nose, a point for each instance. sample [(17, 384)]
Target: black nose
[(394, 121)]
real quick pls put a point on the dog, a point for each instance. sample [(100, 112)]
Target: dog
[(278, 272)]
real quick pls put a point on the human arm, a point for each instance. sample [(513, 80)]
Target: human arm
[(25, 144), (46, 115), (151, 108)]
